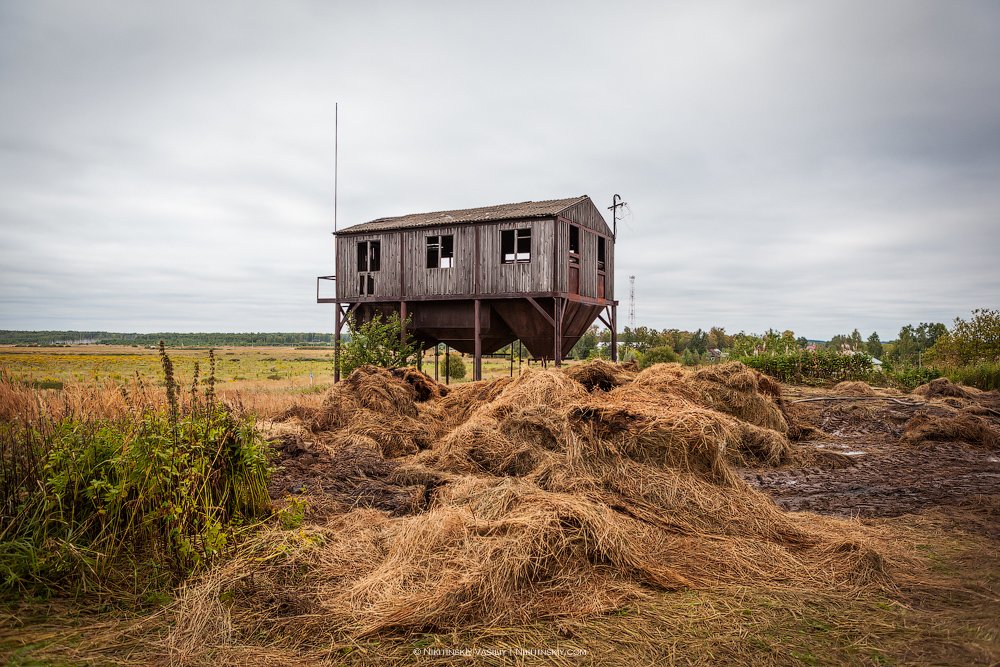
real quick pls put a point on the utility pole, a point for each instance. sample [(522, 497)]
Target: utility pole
[(616, 203)]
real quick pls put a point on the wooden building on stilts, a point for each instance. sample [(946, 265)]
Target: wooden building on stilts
[(479, 279)]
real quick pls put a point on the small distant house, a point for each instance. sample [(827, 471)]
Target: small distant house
[(478, 279)]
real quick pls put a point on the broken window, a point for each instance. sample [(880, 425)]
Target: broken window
[(440, 251), (362, 256), (369, 255), (574, 244), (369, 259), (600, 253), (515, 245)]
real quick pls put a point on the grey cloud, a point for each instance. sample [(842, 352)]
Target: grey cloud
[(818, 166)]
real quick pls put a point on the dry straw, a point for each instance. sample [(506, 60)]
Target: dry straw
[(551, 495)]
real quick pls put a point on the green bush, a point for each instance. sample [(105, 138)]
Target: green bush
[(907, 377), (454, 366), (805, 367), (983, 375), (658, 355), (127, 504), (378, 342)]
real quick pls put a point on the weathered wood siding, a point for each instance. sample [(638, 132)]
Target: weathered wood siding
[(386, 278), (588, 260), (588, 263), (609, 265), (404, 274), (534, 276), (562, 248), (587, 215), (459, 279)]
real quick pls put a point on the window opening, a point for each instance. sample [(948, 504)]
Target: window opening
[(369, 256), (441, 251), (515, 245), (362, 255)]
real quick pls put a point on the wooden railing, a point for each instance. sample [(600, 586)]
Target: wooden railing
[(320, 299)]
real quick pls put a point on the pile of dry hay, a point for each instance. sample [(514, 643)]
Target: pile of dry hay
[(553, 494), (955, 413)]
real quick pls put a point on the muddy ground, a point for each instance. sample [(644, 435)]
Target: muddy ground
[(858, 461), (853, 458)]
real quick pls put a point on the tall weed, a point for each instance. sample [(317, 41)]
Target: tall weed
[(130, 501)]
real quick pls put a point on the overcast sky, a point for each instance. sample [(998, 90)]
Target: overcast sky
[(817, 166)]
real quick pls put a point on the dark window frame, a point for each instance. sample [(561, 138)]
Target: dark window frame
[(574, 244), (440, 251), (517, 240), (369, 256), (366, 284), (602, 254)]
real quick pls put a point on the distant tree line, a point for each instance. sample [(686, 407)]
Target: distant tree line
[(969, 351), (170, 339)]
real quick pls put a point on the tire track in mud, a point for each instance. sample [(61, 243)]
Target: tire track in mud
[(863, 470)]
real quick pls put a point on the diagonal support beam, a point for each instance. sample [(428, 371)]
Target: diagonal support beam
[(548, 318)]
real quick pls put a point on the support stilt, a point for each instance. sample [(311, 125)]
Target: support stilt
[(402, 321), (557, 333), (477, 363), (614, 333), (337, 324)]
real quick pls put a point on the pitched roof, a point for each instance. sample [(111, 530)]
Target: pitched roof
[(527, 209)]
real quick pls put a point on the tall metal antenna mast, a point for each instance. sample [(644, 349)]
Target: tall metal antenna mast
[(335, 156), (631, 302)]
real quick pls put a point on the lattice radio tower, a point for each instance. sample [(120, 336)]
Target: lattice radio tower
[(631, 302)]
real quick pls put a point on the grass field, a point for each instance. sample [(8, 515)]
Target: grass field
[(273, 369)]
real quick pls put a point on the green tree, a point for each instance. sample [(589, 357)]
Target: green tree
[(857, 344), (641, 339), (586, 345), (453, 367), (658, 355), (914, 341), (699, 342), (838, 343), (970, 342), (676, 339), (378, 342), (788, 343), (874, 346), (746, 345), (717, 338)]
